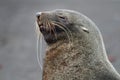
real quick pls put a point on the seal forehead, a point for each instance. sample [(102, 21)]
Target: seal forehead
[(71, 15), (60, 12)]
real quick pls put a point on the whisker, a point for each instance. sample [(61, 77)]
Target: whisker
[(52, 29), (65, 32), (46, 25), (66, 29), (39, 52)]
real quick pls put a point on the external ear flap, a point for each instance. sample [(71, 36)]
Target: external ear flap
[(85, 29)]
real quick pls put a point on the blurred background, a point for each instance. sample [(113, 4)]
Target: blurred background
[(18, 59)]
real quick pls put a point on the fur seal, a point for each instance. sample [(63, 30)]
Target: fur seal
[(75, 47)]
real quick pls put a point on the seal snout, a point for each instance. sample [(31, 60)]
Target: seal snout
[(41, 21), (38, 14)]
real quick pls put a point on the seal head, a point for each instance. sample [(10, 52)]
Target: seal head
[(55, 25)]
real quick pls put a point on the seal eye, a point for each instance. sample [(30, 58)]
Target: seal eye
[(61, 17)]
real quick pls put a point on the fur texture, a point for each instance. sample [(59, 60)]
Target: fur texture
[(84, 58)]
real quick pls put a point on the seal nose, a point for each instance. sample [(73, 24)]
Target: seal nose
[(38, 14)]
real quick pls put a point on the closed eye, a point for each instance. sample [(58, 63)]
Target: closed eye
[(62, 17)]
